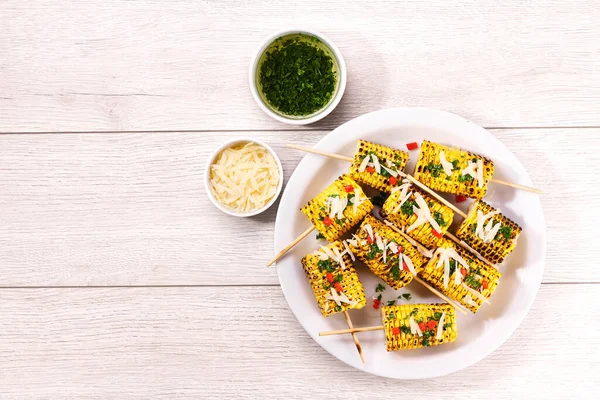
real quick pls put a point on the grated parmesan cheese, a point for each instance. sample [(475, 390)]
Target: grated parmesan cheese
[(447, 166), (244, 177)]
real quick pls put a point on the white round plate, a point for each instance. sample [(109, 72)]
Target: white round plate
[(479, 334)]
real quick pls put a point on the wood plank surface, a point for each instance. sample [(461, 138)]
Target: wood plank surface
[(130, 209), (141, 343), (119, 65)]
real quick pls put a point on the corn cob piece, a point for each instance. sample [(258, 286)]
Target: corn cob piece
[(460, 275), (334, 280), (377, 166), (338, 208), (402, 260), (399, 209), (435, 322), (453, 170), (495, 243)]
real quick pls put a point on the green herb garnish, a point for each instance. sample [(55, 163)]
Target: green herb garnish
[(465, 178), (434, 169), (474, 227), (505, 231), (452, 264), (455, 165), (414, 312), (391, 302), (373, 251), (406, 296), (405, 329), (297, 78), (325, 265), (407, 207), (439, 218), (437, 316), (320, 236), (395, 270), (380, 288)]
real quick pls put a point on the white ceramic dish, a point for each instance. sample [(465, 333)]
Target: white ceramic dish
[(298, 120), (479, 334), (210, 161)]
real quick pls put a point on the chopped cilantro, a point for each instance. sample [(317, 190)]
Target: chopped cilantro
[(320, 236), (452, 264), (379, 297), (455, 165), (338, 278), (472, 282), (405, 329), (391, 302), (439, 218), (297, 78), (325, 265), (385, 173), (395, 270), (437, 316), (448, 325), (407, 296), (338, 308), (474, 227), (391, 315), (407, 207), (380, 288), (474, 160), (465, 178), (434, 169), (414, 312), (373, 252), (505, 232)]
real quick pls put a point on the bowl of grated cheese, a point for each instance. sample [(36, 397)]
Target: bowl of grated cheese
[(243, 177)]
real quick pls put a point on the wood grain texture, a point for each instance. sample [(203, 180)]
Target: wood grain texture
[(130, 209), (182, 65), (141, 343)]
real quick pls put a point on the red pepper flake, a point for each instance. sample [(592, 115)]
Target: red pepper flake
[(338, 287), (431, 324), (422, 326), (463, 271), (370, 169), (485, 283), (327, 221), (370, 240), (460, 198), (436, 233), (412, 146), (376, 304), (349, 188), (400, 249), (395, 331), (404, 266), (393, 180), (329, 277)]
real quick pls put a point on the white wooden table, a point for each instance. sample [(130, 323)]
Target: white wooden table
[(119, 279)]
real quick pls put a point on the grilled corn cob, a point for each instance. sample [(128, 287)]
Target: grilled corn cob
[(374, 240), (452, 170), (377, 165), (338, 208), (399, 208), (333, 279), (436, 324), (493, 242), (460, 275)]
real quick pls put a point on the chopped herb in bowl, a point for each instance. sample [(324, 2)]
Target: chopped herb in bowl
[(297, 75)]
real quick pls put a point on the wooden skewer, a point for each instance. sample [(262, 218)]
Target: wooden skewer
[(352, 330), (356, 342), (319, 152), (289, 246), (421, 248), (517, 186)]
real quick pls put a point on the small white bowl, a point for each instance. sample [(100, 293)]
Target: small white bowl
[(214, 155), (341, 87)]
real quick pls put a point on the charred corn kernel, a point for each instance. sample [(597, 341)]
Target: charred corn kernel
[(469, 172), (436, 323), (494, 247), (402, 259), (380, 173), (468, 286), (400, 212), (338, 208), (334, 280)]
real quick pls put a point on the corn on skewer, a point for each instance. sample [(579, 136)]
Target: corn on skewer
[(387, 254), (412, 326), (460, 275), (333, 212), (335, 283)]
